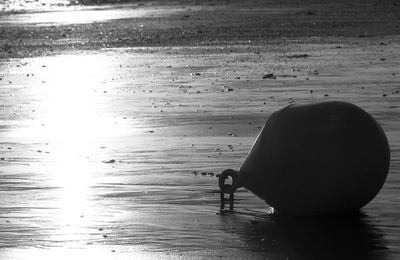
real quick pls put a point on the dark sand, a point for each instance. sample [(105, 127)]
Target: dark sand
[(111, 132), (199, 23)]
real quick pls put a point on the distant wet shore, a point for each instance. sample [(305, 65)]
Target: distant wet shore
[(191, 23)]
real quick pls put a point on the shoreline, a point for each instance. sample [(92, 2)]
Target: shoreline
[(193, 24)]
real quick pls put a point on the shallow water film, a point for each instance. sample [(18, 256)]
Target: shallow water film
[(113, 151)]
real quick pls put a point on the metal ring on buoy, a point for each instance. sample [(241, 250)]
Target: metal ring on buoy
[(227, 188)]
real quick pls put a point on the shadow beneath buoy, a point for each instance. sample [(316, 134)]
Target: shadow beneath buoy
[(314, 237)]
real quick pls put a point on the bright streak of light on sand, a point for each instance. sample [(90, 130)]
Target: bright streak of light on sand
[(70, 109), (72, 112), (16, 5), (98, 253), (81, 16), (73, 123)]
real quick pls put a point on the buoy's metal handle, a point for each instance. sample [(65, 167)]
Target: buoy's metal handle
[(227, 188)]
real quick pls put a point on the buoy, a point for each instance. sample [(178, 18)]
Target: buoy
[(322, 158)]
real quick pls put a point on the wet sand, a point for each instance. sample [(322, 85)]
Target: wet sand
[(190, 23), (112, 151)]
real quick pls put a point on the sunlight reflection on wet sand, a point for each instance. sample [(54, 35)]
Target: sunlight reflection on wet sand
[(85, 15), (70, 109), (98, 253), (69, 102)]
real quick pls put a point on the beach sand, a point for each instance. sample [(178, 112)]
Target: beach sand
[(112, 131)]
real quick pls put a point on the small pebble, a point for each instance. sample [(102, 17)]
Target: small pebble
[(109, 161), (269, 76), (254, 222)]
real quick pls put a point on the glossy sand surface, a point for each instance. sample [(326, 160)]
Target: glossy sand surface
[(112, 153)]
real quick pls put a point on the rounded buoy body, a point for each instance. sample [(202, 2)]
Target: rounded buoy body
[(323, 158)]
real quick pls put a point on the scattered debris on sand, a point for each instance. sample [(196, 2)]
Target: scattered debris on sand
[(269, 76)]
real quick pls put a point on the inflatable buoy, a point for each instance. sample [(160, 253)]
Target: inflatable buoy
[(323, 158)]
